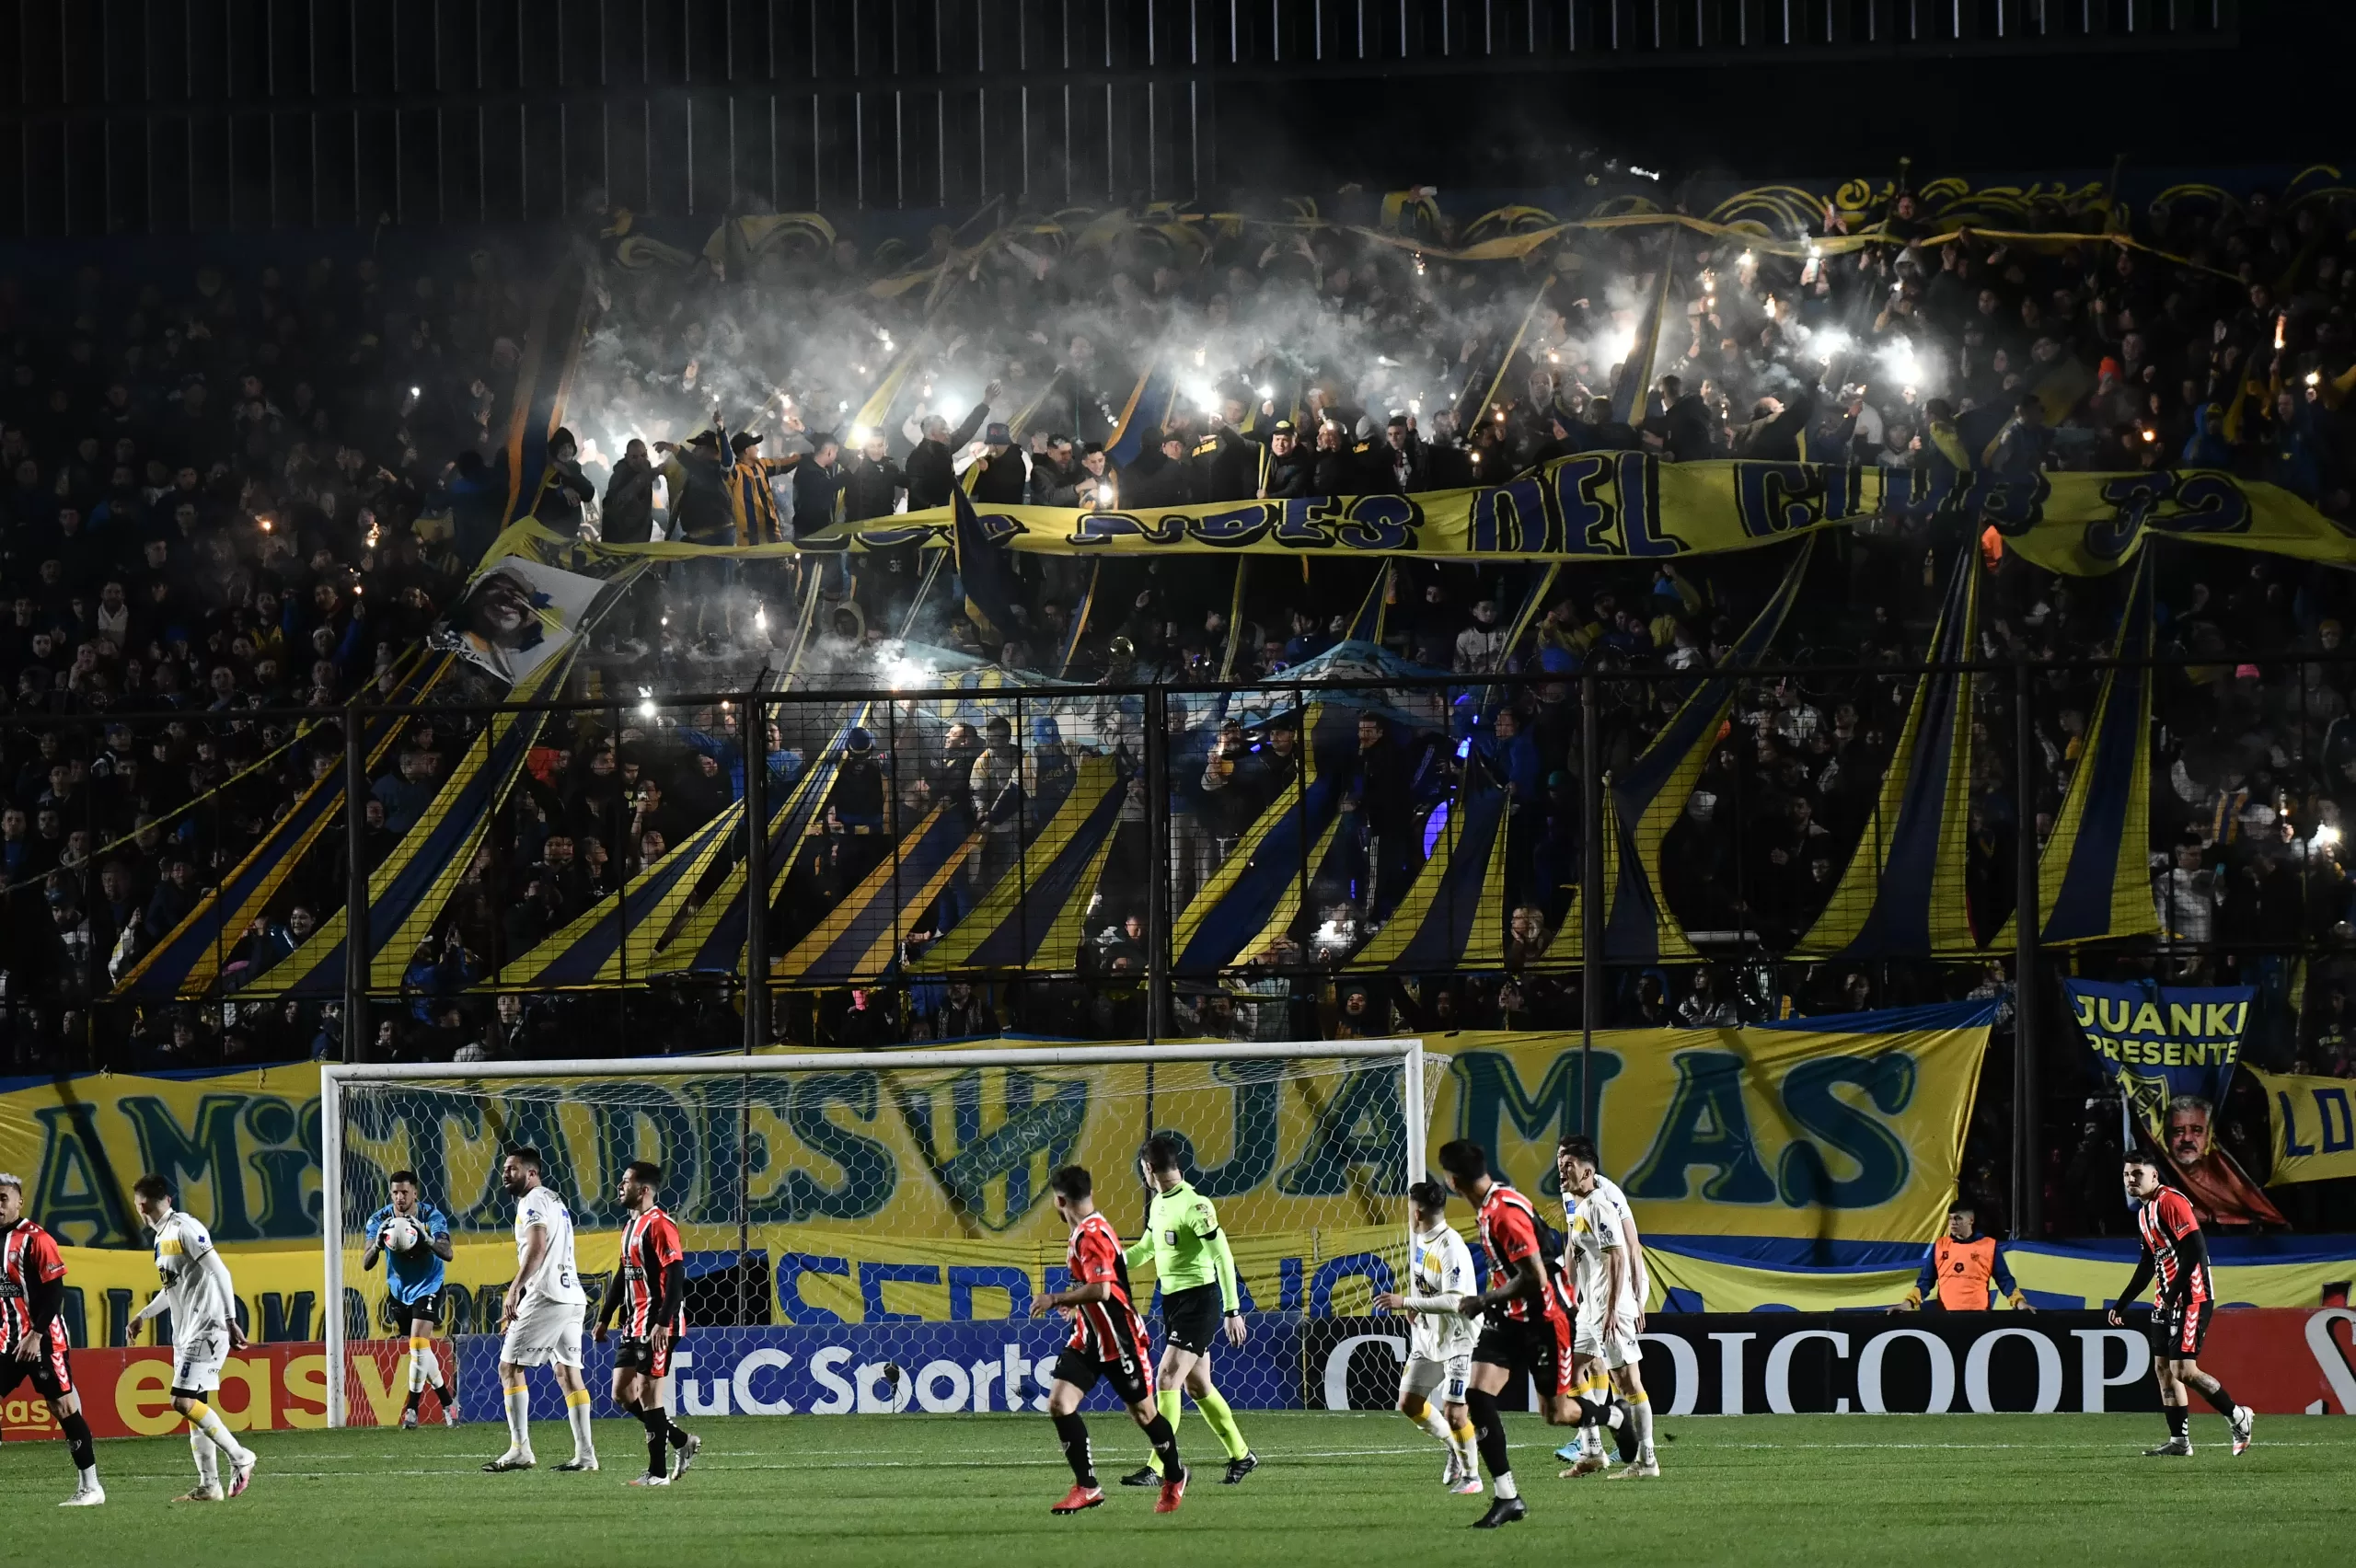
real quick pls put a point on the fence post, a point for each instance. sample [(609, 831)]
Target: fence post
[(356, 1033), (756, 748), (1591, 979), (2028, 1168), (1157, 873)]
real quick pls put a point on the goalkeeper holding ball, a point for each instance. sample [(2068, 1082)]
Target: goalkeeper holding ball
[(413, 1238)]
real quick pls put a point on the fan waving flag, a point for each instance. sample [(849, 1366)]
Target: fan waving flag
[(985, 573), (1631, 393)]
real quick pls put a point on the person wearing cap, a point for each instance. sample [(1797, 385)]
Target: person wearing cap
[(1286, 472), (1001, 476), (861, 795), (564, 491), (1162, 477)]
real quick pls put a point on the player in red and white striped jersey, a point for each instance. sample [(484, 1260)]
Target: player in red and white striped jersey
[(1107, 1342), (1525, 1327), (32, 1332), (649, 1289), (2183, 1300)]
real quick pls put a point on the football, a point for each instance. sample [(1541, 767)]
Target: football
[(399, 1234)]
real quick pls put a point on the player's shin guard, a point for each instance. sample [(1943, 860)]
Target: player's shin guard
[(1161, 1433), (576, 1415), (1468, 1453), (205, 1419), (519, 1418), (1431, 1420), (1489, 1432), (208, 1457), (658, 1434), (1220, 1418), (76, 1428), (417, 1353), (1171, 1403), (2219, 1400), (1072, 1433)]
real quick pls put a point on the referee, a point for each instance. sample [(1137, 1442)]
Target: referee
[(1195, 1273)]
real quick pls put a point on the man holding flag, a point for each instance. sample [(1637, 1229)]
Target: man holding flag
[(985, 575)]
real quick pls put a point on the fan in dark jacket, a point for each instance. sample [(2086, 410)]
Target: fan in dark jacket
[(1161, 479), (1773, 433), (1001, 477), (931, 468), (1290, 471)]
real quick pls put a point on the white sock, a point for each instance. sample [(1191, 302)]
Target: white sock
[(1642, 1409), (208, 1421), (1590, 1442), (89, 1482), (519, 1418), (417, 1363), (208, 1464), (1468, 1449), (1504, 1487), (1436, 1424), (576, 1414), (433, 1366)]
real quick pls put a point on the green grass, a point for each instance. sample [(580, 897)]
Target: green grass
[(1358, 1490)]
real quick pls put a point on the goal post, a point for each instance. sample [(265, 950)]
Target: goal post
[(867, 1230)]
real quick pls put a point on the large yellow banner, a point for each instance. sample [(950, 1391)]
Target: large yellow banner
[(1717, 1132), (1627, 506), (2313, 1124)]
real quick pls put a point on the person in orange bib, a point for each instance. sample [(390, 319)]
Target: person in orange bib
[(1959, 1268)]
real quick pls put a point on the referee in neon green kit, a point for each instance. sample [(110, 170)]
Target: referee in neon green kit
[(1195, 1273)]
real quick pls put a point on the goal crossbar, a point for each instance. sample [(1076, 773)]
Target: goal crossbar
[(335, 1075)]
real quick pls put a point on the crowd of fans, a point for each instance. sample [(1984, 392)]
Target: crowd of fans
[(237, 500)]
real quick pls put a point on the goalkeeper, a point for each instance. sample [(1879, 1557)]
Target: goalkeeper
[(1195, 1273)]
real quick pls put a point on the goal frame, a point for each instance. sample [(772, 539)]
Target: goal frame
[(335, 1075)]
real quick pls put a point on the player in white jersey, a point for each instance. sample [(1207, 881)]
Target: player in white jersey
[(542, 1319), (202, 1301), (1440, 1342), (1608, 1259)]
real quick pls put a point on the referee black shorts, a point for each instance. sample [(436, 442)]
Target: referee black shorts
[(1191, 1318)]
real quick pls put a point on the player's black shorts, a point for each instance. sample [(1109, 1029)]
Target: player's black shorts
[(52, 1372), (1538, 1346), (2178, 1331), (425, 1309), (1191, 1318), (1132, 1382), (640, 1355)]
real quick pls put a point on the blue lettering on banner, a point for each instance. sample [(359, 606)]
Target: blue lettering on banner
[(846, 1369), (2339, 1124)]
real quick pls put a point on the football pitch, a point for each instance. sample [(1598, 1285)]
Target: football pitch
[(1351, 1489)]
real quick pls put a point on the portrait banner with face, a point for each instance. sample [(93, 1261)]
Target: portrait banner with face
[(517, 616), (2172, 1050)]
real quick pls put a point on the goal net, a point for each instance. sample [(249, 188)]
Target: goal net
[(867, 1233)]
